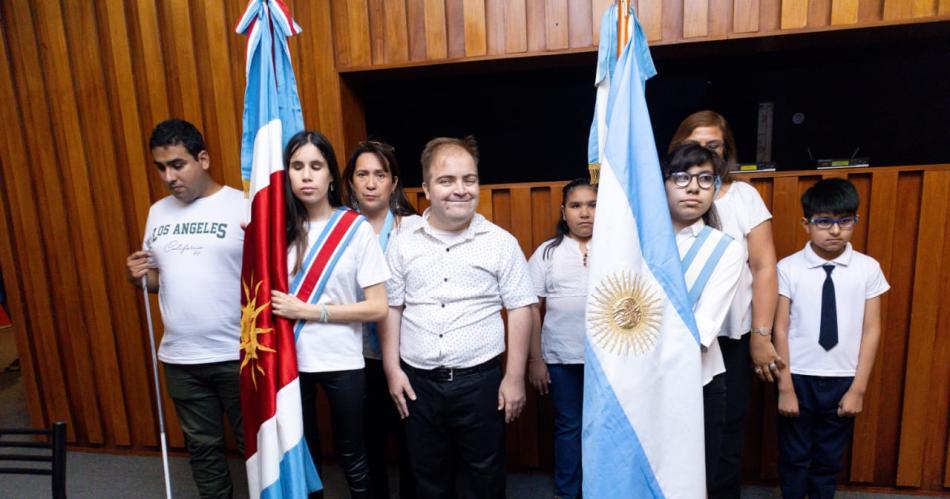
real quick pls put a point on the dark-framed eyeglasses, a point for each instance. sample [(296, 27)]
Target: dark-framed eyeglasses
[(682, 179), (827, 222)]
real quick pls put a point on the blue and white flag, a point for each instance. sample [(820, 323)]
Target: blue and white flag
[(643, 406), (277, 458), (606, 63)]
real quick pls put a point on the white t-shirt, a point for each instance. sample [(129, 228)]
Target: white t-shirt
[(740, 210), (562, 280), (371, 346), (335, 346), (801, 278), (197, 248)]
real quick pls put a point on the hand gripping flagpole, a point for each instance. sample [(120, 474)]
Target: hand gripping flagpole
[(158, 393)]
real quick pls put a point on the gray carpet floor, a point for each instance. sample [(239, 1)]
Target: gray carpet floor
[(106, 476)]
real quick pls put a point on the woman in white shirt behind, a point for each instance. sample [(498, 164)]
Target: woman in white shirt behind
[(556, 360), (333, 256)]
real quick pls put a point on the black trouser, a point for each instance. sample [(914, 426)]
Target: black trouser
[(380, 420), (714, 412), (454, 429), (811, 445), (203, 394), (345, 391), (735, 354)]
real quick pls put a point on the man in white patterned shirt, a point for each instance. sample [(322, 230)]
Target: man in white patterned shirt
[(452, 273)]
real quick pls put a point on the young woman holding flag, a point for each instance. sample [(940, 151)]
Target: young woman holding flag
[(337, 282), (373, 187)]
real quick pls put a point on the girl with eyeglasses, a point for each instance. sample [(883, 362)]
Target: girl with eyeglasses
[(712, 261), (745, 217), (330, 299), (372, 186), (556, 355)]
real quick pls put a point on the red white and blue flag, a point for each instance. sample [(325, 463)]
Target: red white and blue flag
[(278, 461)]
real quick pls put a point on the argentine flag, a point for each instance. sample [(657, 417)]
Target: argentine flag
[(643, 406), (278, 461)]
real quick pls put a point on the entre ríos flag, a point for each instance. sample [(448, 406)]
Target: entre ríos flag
[(278, 461)]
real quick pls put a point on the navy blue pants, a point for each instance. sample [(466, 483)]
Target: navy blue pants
[(567, 398), (811, 446)]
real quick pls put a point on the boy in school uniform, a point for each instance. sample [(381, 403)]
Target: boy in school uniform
[(827, 325)]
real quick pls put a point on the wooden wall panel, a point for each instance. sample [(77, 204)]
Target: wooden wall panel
[(476, 41), (480, 29), (83, 83), (516, 18), (580, 23), (746, 16), (919, 388), (80, 329), (555, 24)]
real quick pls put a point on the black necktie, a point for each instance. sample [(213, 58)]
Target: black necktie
[(828, 331)]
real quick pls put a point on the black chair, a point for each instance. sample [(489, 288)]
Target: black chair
[(56, 444)]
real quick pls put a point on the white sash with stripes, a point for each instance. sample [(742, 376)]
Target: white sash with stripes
[(702, 258)]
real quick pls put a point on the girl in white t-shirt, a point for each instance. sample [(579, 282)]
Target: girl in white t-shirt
[(745, 217), (329, 324), (373, 187), (556, 360)]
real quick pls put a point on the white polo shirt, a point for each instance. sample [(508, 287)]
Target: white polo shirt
[(561, 279), (713, 303), (453, 289), (857, 278)]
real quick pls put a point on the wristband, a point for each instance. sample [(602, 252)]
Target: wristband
[(762, 330), (324, 316)]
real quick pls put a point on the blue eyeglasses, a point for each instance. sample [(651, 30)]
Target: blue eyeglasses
[(827, 222)]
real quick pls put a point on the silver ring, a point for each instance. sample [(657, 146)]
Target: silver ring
[(772, 366), (758, 370)]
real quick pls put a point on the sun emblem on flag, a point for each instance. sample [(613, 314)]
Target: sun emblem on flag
[(250, 332), (624, 314)]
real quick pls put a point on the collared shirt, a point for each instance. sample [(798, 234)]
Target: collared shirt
[(857, 278), (453, 289), (561, 279), (713, 304)]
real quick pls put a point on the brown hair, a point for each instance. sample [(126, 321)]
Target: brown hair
[(434, 146), (386, 154), (711, 119)]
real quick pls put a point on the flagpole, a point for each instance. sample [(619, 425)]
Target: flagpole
[(158, 393)]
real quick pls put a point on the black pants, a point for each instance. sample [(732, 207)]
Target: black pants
[(345, 391), (714, 413), (381, 420), (811, 446), (454, 429), (728, 479)]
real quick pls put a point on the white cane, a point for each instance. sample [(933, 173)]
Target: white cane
[(158, 393)]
